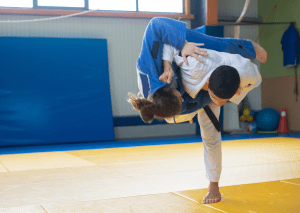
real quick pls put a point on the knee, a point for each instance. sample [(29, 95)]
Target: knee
[(211, 139)]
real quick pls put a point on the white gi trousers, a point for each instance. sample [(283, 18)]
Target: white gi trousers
[(211, 140)]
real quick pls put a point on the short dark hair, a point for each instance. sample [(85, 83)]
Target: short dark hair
[(224, 82)]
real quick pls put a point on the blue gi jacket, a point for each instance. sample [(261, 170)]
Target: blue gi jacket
[(290, 47)]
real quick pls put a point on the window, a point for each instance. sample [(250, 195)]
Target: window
[(170, 6), (61, 3), (123, 5), (16, 3), (105, 8)]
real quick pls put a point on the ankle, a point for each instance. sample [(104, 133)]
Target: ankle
[(213, 186)]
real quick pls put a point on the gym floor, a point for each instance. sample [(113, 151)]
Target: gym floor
[(260, 174)]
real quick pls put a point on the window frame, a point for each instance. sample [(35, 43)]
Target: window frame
[(58, 11)]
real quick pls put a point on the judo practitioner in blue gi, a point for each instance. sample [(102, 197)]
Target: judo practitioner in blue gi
[(161, 99)]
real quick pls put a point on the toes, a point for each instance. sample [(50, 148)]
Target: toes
[(207, 201), (211, 201)]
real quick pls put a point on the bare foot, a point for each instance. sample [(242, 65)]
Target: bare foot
[(261, 53), (213, 195)]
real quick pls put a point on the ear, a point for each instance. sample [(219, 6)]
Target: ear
[(238, 92)]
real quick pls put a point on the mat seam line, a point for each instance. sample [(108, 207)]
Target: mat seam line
[(290, 183), (197, 201)]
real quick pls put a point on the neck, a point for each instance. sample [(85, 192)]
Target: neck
[(205, 87)]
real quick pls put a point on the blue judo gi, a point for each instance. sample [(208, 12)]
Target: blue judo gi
[(175, 33), (290, 47)]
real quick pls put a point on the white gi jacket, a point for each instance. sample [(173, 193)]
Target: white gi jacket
[(196, 73)]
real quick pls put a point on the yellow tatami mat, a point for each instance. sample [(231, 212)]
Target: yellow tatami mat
[(275, 196), (259, 175)]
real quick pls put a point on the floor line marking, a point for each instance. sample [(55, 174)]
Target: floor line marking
[(185, 197), (290, 183), (214, 208), (4, 166), (197, 201)]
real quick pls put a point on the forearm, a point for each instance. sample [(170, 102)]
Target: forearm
[(167, 64), (168, 73)]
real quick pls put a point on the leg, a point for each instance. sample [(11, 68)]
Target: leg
[(242, 47), (149, 63), (212, 154)]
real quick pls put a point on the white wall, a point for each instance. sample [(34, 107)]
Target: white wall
[(233, 8)]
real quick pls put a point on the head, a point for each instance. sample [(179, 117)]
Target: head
[(223, 84), (164, 103)]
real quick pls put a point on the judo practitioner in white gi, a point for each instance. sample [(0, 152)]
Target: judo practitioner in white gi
[(195, 76)]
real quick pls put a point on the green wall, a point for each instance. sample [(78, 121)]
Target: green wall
[(286, 11)]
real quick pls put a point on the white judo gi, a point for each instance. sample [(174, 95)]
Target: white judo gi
[(194, 77)]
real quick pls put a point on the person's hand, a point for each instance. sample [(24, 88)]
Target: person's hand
[(193, 50), (168, 74)]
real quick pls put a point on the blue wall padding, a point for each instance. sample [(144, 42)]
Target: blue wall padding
[(54, 90)]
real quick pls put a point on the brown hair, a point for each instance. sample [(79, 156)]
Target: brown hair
[(161, 104)]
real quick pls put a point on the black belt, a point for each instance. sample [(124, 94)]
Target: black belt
[(213, 118)]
